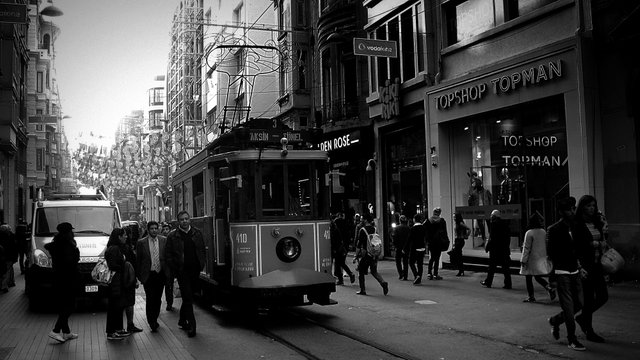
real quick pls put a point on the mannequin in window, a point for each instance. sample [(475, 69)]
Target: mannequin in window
[(506, 188)]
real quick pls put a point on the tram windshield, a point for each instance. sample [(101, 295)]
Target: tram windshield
[(278, 190)]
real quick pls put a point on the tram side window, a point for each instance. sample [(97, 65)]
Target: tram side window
[(299, 190), (198, 195), (272, 190)]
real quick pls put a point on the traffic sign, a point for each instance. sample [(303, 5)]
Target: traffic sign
[(373, 47), (13, 13)]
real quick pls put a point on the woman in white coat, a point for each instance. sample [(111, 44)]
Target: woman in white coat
[(534, 262)]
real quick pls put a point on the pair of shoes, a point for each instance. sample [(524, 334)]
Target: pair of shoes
[(507, 287), (169, 308), (57, 337), (575, 345), (133, 329), (191, 333), (385, 288), (69, 336), (184, 325), (123, 333), (529, 299), (485, 283), (399, 277), (430, 277), (361, 292), (552, 293), (154, 327), (418, 280), (593, 337), (555, 329), (437, 277), (352, 277), (114, 336), (404, 278), (461, 273)]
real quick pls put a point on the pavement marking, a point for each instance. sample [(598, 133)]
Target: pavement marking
[(425, 302)]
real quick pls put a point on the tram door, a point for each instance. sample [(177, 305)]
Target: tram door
[(222, 192)]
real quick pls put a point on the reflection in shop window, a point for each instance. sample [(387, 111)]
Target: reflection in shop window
[(515, 160)]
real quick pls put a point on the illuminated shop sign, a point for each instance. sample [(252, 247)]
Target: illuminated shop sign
[(533, 144), (505, 84), (340, 141)]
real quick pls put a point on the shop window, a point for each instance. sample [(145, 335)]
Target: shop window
[(514, 160)]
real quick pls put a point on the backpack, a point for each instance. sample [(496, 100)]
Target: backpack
[(101, 273), (374, 244)]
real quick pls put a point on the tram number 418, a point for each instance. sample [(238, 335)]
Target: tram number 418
[(241, 238)]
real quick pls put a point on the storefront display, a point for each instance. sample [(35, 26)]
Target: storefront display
[(514, 160)]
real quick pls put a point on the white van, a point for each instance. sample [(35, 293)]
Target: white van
[(93, 218)]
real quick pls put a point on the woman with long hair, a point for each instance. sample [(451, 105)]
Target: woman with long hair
[(116, 300), (590, 237), (534, 263)]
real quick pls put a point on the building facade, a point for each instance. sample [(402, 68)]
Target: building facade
[(397, 109), (14, 59)]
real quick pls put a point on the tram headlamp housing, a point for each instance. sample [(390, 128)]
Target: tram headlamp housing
[(41, 258), (288, 249)]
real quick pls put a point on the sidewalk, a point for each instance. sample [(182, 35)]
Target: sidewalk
[(24, 333)]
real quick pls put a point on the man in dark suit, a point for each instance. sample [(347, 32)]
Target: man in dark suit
[(185, 256), (151, 270), (498, 249)]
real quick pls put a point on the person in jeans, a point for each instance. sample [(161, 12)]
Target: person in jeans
[(416, 248), (185, 256), (589, 233), (339, 249), (562, 250), (437, 237), (64, 257), (462, 232), (400, 236), (366, 262)]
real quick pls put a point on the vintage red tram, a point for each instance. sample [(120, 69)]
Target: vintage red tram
[(259, 194)]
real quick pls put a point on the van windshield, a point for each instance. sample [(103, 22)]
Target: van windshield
[(85, 220)]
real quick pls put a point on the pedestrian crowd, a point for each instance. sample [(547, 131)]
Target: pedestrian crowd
[(153, 255), (565, 259)]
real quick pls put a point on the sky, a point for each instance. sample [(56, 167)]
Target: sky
[(107, 54)]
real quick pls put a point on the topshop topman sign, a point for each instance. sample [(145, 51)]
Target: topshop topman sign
[(371, 47), (13, 13)]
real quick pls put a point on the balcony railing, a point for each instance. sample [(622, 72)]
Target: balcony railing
[(340, 110)]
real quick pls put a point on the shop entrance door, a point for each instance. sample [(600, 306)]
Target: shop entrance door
[(411, 193)]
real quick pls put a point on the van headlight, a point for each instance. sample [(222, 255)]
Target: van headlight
[(42, 259), (288, 249)]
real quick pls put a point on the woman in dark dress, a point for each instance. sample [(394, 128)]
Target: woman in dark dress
[(117, 297), (64, 257)]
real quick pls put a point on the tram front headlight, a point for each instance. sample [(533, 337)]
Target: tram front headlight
[(41, 258), (288, 249)]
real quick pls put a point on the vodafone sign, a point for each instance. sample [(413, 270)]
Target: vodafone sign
[(371, 47)]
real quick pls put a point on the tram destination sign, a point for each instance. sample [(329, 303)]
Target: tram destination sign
[(274, 135), (13, 13), (372, 47)]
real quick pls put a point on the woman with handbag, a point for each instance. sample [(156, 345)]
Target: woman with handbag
[(534, 263), (588, 232), (116, 300)]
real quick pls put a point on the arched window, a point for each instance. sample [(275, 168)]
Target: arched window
[(46, 39)]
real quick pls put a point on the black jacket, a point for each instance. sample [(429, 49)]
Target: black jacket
[(174, 249), (561, 247), (416, 239), (583, 242), (400, 236), (64, 254), (500, 240)]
